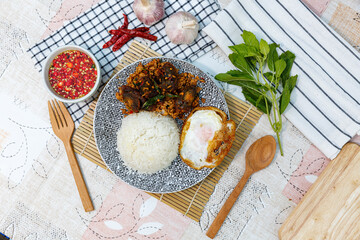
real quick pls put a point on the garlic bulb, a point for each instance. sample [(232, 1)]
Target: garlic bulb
[(182, 28), (149, 11)]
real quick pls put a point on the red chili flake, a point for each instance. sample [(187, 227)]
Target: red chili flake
[(72, 74)]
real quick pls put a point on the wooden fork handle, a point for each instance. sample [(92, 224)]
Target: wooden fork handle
[(79, 180), (224, 211)]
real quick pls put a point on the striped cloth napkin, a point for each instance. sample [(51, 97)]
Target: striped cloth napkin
[(325, 104)]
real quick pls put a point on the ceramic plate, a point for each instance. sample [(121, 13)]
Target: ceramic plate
[(107, 121)]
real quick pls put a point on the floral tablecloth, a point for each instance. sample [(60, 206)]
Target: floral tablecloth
[(39, 199)]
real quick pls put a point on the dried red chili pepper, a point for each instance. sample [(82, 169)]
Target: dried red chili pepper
[(122, 35), (126, 22), (111, 41), (116, 37), (135, 33), (140, 29), (125, 38), (121, 42)]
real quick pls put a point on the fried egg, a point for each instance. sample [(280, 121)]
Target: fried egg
[(204, 133), (203, 125)]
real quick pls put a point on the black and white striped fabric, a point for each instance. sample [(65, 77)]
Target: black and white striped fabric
[(325, 104), (90, 30)]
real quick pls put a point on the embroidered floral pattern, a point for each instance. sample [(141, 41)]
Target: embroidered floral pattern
[(300, 177), (136, 216)]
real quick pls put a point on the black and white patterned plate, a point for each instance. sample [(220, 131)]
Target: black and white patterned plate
[(107, 121)]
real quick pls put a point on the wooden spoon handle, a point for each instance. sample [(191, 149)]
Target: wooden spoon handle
[(224, 211), (79, 180)]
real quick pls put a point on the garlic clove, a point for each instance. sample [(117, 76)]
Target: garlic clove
[(182, 28), (149, 11)]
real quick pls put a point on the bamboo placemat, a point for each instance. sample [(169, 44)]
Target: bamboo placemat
[(191, 201)]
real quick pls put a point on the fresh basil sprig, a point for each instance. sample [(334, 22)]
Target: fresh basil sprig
[(261, 73)]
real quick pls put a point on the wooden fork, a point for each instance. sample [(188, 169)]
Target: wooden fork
[(63, 127)]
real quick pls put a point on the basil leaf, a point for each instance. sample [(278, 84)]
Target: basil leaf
[(152, 101), (239, 79), (280, 66), (252, 63), (285, 96), (171, 95), (256, 99), (245, 50), (250, 39), (264, 47), (292, 82), (240, 62), (240, 49), (261, 103), (269, 76), (244, 75), (233, 75), (234, 49), (156, 86), (272, 56), (247, 84), (289, 58)]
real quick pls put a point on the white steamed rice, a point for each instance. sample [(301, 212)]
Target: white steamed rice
[(148, 142)]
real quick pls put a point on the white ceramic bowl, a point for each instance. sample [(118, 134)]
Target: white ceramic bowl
[(45, 73)]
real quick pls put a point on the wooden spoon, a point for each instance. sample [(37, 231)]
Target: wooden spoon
[(258, 156)]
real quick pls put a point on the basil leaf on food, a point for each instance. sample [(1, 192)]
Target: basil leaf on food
[(171, 95), (152, 101)]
